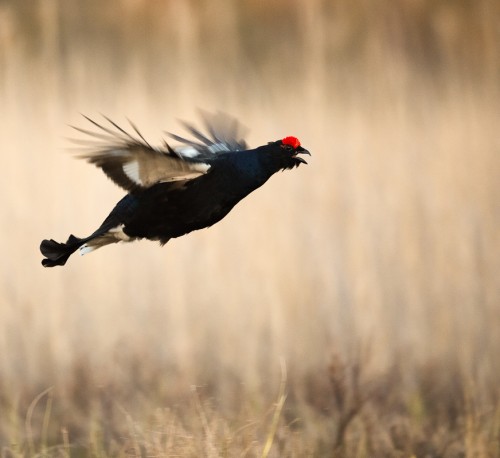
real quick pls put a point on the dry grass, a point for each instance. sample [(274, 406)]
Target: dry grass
[(372, 274)]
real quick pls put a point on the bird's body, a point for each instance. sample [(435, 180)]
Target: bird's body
[(175, 191)]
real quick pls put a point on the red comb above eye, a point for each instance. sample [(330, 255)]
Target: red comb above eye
[(292, 141)]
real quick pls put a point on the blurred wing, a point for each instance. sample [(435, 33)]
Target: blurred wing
[(131, 162), (224, 134)]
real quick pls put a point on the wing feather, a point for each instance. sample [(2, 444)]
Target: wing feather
[(131, 162), (226, 134)]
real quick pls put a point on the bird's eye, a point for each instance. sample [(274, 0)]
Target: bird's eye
[(287, 147)]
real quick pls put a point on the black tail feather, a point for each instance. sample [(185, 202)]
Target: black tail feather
[(56, 254)]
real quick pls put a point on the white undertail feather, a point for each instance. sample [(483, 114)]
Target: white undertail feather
[(114, 235), (84, 249)]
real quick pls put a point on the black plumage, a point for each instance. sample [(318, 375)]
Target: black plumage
[(174, 190)]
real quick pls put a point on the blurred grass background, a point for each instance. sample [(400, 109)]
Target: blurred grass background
[(372, 273)]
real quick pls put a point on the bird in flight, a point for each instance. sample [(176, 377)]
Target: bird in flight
[(172, 191)]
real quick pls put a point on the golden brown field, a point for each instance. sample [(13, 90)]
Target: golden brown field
[(350, 308)]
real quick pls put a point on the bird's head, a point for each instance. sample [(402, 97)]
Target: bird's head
[(285, 153)]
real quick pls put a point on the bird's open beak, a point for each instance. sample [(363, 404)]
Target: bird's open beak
[(301, 150)]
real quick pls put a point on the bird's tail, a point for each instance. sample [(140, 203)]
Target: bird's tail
[(56, 254)]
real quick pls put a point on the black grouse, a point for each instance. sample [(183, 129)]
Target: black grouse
[(174, 190)]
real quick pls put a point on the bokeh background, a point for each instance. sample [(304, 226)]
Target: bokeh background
[(372, 274)]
